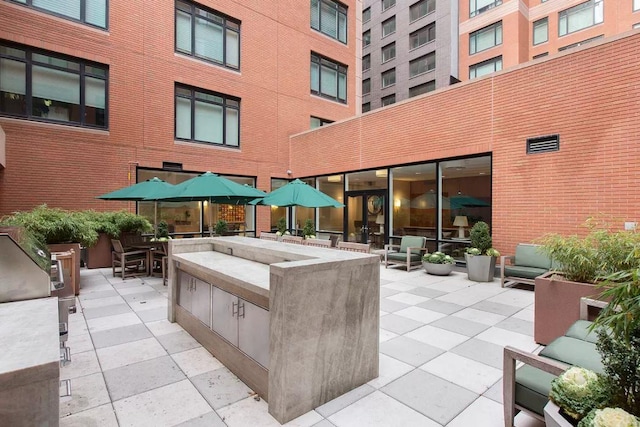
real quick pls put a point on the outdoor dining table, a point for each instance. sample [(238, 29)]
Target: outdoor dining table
[(150, 247)]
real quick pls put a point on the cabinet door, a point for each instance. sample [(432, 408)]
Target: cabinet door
[(185, 283), (201, 301), (224, 319), (253, 332)]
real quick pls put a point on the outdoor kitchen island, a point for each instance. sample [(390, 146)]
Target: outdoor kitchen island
[(299, 325)]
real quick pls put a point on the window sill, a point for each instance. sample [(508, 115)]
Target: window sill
[(422, 45), (422, 74), (388, 86), (388, 60), (385, 36)]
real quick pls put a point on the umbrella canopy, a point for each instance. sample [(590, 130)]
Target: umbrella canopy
[(150, 190), (298, 193), (211, 188)]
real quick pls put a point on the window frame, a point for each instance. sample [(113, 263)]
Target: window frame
[(567, 13), (389, 72), (340, 68), (368, 107), (366, 11), (386, 21), (421, 85), (226, 98), (368, 82), (81, 72), (474, 35), (366, 59), (427, 30), (321, 120), (389, 6), (477, 65), (83, 13), (226, 20), (388, 97), (635, 6), (431, 7), (341, 9), (390, 46), (366, 36), (427, 57), (539, 23), (475, 10)]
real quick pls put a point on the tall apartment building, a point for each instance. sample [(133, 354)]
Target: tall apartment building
[(98, 94), (496, 34), (409, 47)]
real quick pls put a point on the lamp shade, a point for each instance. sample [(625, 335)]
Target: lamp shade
[(380, 219), (460, 221)]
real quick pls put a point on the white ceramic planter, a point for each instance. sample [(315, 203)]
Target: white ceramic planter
[(437, 269), (552, 417)]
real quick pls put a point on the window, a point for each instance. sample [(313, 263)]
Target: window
[(485, 38), (541, 55), (422, 65), (366, 62), (328, 78), (420, 9), (330, 18), (636, 5), (45, 86), (386, 4), (91, 12), (486, 67), (207, 35), (388, 100), (581, 16), (208, 117), (580, 43), (476, 7), (317, 122), (366, 107), (422, 36), (389, 78), (366, 38), (389, 26), (366, 86), (388, 52), (366, 15), (423, 88), (541, 31)]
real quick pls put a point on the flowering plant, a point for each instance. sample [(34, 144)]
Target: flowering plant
[(578, 390), (438, 258), (609, 417)]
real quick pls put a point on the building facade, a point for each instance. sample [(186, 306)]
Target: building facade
[(409, 48), (95, 95)]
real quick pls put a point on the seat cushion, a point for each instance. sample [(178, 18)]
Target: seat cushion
[(531, 256), (411, 242), (532, 388), (396, 256), (580, 330), (521, 271), (573, 351)]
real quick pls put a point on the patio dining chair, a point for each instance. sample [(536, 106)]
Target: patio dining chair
[(354, 247), (319, 243), (269, 236), (296, 240), (408, 253), (130, 263)]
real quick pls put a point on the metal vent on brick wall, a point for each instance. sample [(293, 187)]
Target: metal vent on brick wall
[(543, 144)]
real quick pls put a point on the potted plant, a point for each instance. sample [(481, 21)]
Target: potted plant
[(221, 227), (481, 257), (309, 229), (580, 262), (438, 263)]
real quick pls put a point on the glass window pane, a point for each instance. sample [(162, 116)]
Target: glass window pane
[(329, 81), (183, 118), (233, 48), (208, 40), (96, 12), (342, 28), (329, 20), (315, 77), (342, 86), (315, 14), (183, 32), (540, 31), (12, 87), (208, 122), (56, 85), (95, 92), (232, 137), (70, 8)]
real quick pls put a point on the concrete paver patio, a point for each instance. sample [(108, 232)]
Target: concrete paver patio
[(441, 341)]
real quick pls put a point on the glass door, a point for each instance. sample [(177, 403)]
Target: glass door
[(365, 218)]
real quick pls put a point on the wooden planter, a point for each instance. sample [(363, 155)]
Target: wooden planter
[(99, 255), (64, 247), (557, 305)]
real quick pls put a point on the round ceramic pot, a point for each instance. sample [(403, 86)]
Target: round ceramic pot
[(438, 269)]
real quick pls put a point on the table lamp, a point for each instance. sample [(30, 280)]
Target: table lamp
[(460, 222), (380, 222)]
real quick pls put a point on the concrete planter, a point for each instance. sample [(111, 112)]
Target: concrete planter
[(553, 418), (437, 269), (557, 306), (480, 268), (99, 255)]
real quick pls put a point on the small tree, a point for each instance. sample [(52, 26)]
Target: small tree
[(221, 227), (281, 225), (480, 237), (309, 228)]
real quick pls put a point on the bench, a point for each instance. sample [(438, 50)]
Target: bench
[(527, 388), (523, 267)]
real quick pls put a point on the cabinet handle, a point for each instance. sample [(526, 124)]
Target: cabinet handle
[(234, 309), (67, 388), (241, 307)]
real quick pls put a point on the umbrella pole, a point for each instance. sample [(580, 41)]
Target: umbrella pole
[(210, 218), (155, 219)]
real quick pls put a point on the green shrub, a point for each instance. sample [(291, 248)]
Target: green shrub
[(438, 258), (163, 229), (221, 227), (281, 225), (309, 228)]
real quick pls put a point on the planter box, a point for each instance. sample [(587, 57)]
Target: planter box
[(557, 306), (553, 418), (437, 269), (64, 247), (99, 255), (480, 268)]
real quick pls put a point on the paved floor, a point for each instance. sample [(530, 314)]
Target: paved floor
[(440, 359)]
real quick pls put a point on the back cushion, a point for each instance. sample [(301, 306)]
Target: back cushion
[(411, 242), (531, 256)]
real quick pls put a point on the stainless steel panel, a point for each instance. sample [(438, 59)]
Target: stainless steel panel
[(185, 283), (201, 301), (20, 277), (224, 321), (253, 332)]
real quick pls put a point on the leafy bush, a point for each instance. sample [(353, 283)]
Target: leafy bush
[(577, 391), (438, 258), (281, 225), (163, 230), (309, 228), (221, 227), (481, 240)]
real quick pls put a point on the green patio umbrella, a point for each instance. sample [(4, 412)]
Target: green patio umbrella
[(148, 190), (211, 188)]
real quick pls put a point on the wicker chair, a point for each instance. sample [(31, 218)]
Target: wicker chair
[(130, 263)]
